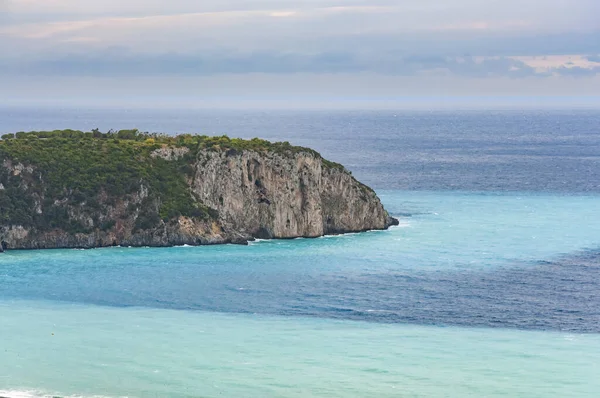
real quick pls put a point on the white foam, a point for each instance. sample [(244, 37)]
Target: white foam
[(258, 241), (402, 224), (38, 394), (19, 394)]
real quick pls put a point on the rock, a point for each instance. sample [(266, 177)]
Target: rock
[(393, 222), (277, 196), (170, 153), (248, 193)]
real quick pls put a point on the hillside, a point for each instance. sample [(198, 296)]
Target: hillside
[(67, 189)]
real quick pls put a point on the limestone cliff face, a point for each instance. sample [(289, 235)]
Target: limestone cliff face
[(250, 194), (275, 196)]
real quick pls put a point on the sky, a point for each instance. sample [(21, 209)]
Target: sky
[(299, 52)]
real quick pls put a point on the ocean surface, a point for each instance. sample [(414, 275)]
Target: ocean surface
[(490, 285)]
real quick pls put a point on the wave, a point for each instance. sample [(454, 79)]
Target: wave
[(39, 394), (258, 241), (402, 224)]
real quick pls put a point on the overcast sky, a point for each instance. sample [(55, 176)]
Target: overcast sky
[(197, 51)]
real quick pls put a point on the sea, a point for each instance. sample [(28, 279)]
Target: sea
[(489, 287)]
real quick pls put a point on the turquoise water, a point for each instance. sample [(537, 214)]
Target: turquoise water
[(472, 295), (476, 293), (88, 350)]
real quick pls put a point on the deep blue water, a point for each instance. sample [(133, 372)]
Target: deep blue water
[(490, 286), (545, 150), (563, 294), (489, 255)]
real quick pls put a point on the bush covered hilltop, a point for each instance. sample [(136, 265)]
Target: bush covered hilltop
[(74, 189)]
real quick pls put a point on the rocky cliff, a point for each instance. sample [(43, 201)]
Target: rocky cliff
[(84, 191)]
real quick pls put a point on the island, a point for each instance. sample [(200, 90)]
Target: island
[(74, 189)]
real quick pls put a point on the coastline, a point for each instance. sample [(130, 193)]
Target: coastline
[(241, 242), (140, 189)]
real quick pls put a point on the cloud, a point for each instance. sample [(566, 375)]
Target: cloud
[(394, 15), (4, 11), (283, 14), (119, 62), (594, 58), (152, 23), (479, 40), (577, 71)]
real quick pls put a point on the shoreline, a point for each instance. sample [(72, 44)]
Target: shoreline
[(245, 242)]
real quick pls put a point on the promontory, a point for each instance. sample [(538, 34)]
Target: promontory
[(74, 189)]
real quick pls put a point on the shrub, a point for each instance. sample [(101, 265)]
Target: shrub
[(93, 170)]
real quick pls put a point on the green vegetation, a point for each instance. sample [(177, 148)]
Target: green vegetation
[(193, 142), (72, 168)]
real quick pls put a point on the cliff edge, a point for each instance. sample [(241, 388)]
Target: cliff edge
[(70, 189)]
